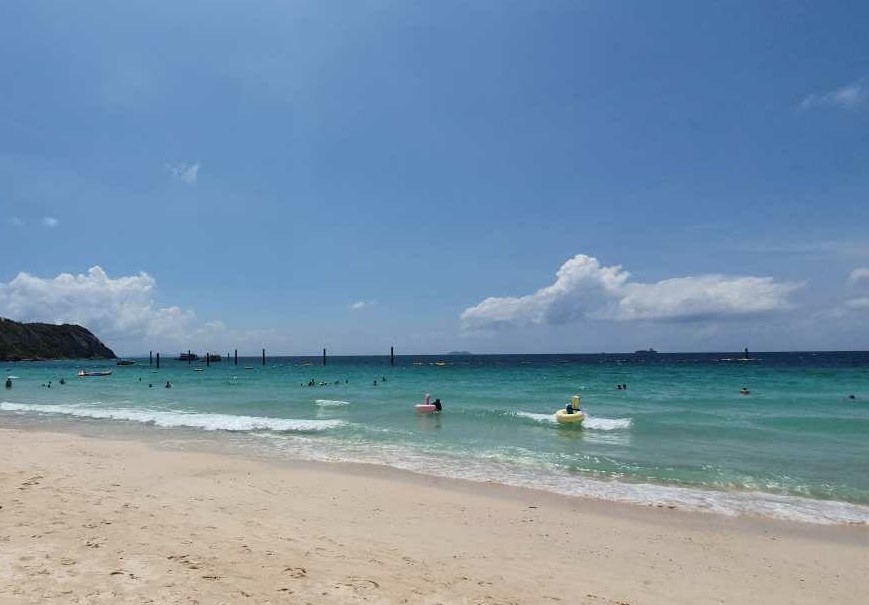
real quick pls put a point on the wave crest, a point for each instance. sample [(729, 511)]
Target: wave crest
[(590, 422), (172, 419)]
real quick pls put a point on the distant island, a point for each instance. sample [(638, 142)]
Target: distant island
[(459, 353), (34, 341)]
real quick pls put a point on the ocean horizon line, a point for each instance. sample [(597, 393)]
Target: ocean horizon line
[(512, 354)]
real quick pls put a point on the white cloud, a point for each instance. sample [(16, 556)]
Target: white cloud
[(704, 297), (850, 96), (581, 287), (858, 304), (585, 289), (50, 221), (362, 304), (18, 222), (187, 173), (120, 311), (857, 275)]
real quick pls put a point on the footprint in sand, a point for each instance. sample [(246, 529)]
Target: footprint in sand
[(30, 482), (358, 584), (296, 572)]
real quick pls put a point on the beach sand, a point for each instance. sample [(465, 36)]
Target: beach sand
[(90, 520)]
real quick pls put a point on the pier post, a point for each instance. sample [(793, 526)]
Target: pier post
[(207, 358), (236, 357), (324, 356), (264, 357), (189, 361), (392, 356), (150, 358), (158, 361)]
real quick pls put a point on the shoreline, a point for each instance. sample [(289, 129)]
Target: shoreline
[(268, 446), (99, 518)]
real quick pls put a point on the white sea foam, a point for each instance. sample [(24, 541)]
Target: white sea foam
[(590, 422), (170, 419), (546, 418), (494, 469), (327, 403), (606, 424)]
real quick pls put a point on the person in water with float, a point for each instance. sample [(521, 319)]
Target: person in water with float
[(427, 407), (571, 414)]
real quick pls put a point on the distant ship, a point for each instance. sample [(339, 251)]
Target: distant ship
[(648, 352), (126, 362), (213, 357), (188, 357)]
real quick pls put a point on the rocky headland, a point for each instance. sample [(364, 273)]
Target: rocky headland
[(33, 341)]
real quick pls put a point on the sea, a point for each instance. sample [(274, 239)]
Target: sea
[(680, 434)]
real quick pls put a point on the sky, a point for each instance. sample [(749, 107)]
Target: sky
[(490, 176)]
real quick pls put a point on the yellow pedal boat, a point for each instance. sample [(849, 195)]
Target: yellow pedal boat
[(576, 416)]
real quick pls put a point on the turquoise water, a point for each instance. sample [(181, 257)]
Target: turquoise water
[(680, 435)]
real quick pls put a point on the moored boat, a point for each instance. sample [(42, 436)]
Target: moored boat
[(83, 373)]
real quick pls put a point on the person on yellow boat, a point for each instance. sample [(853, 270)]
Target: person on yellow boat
[(573, 405)]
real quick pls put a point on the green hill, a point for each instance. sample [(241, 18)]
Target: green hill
[(20, 341)]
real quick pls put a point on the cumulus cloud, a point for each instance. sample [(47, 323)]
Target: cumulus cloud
[(858, 275), (18, 222), (582, 287), (187, 173), (121, 311), (850, 96), (50, 221), (362, 304), (585, 289)]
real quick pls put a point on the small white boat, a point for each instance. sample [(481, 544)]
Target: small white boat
[(83, 373)]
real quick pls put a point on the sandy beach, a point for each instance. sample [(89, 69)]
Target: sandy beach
[(91, 520)]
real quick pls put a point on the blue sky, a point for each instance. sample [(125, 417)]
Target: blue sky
[(353, 175)]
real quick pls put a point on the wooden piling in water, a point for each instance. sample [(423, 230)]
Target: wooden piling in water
[(189, 361), (392, 356), (150, 358), (158, 361), (236, 357), (264, 357), (207, 358)]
